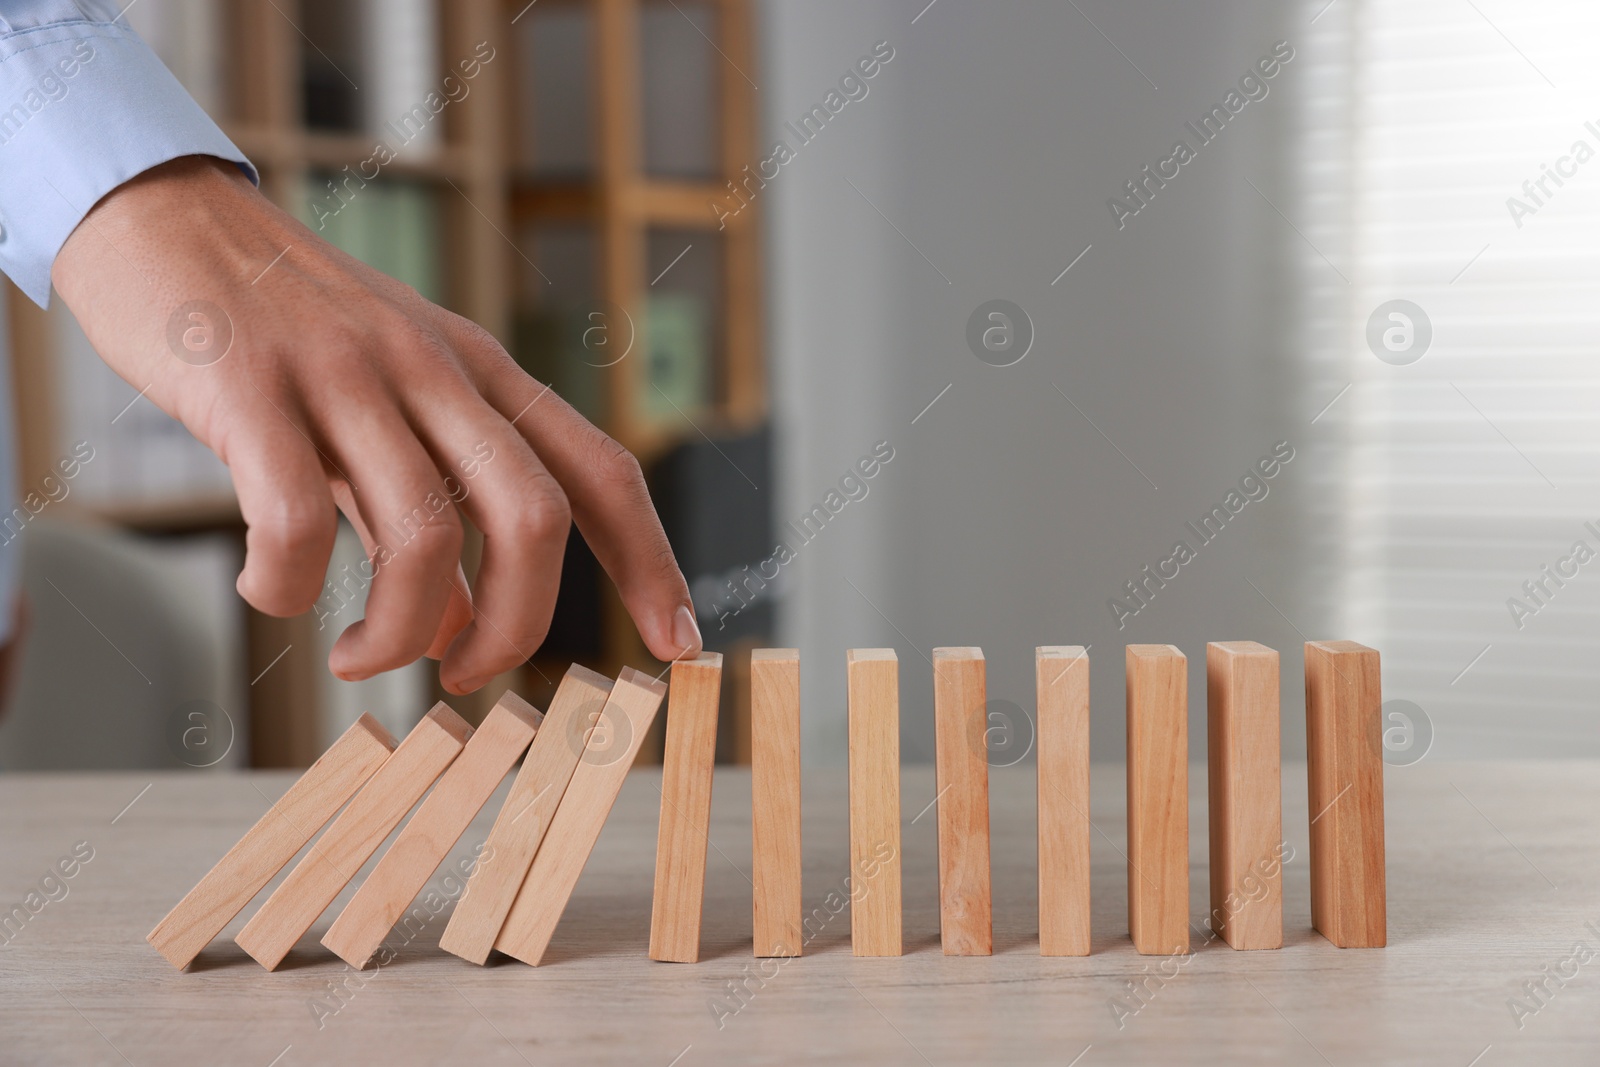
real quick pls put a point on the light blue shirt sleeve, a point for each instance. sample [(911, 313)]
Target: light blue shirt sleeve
[(85, 105)]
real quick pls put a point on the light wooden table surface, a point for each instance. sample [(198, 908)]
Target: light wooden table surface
[(1494, 872)]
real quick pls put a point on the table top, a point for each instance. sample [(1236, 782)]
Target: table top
[(1494, 882)]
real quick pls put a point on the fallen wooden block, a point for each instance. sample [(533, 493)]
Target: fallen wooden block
[(291, 821), (1158, 799), (688, 758), (961, 784), (525, 817), (433, 831), (874, 697), (1061, 678), (353, 837), (775, 801), (1344, 762), (613, 743), (1246, 809)]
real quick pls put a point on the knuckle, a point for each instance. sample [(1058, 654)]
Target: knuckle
[(543, 513), (615, 463)]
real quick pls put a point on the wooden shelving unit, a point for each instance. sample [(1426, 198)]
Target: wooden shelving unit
[(483, 199)]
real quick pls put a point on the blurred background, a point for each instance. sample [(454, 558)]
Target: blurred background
[(932, 324)]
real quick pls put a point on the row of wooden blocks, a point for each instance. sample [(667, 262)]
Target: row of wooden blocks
[(1345, 771), (575, 757)]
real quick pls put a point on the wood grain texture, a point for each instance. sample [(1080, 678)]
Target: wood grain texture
[(1246, 810), (688, 758), (873, 683), (1472, 921), (433, 831), (612, 745), (1061, 678), (354, 836), (961, 783), (775, 868), (525, 816), (1344, 757), (1158, 799), (291, 821)]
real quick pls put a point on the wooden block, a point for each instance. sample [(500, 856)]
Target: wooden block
[(613, 743), (1158, 799), (433, 831), (1246, 809), (525, 817), (1344, 757), (961, 783), (874, 694), (354, 836), (688, 758), (775, 800), (291, 821), (1061, 678)]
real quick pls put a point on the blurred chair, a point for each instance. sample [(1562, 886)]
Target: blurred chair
[(123, 664)]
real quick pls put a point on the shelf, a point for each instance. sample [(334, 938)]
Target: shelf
[(276, 148), (651, 201), (170, 515)]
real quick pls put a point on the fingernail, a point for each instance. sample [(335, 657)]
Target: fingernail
[(472, 685), (685, 633)]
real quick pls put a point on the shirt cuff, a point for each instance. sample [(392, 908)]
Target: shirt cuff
[(84, 107)]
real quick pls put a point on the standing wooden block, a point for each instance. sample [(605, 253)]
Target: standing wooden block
[(1246, 807), (291, 821), (354, 836), (775, 800), (961, 783), (433, 831), (1061, 677), (1158, 799), (613, 743), (874, 694), (525, 817), (1344, 757), (688, 757)]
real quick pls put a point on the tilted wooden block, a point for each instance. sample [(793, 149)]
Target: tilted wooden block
[(1344, 758), (1158, 799), (688, 758), (874, 696), (1246, 809), (291, 821), (358, 831), (613, 743), (961, 784), (433, 831), (525, 817), (775, 801), (1061, 678)]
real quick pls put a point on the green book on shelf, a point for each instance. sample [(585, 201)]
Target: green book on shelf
[(676, 380), (390, 225)]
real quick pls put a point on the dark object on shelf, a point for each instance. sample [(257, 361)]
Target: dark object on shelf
[(720, 525)]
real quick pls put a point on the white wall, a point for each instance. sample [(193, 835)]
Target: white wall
[(992, 141)]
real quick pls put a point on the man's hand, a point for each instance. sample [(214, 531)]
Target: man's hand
[(344, 387)]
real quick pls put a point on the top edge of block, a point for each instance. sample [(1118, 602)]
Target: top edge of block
[(584, 676), (774, 655), (1059, 652), (1340, 646), (371, 726), (1155, 651), (513, 704), (860, 655), (1241, 648), (958, 652), (640, 680), (704, 659), (445, 718)]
